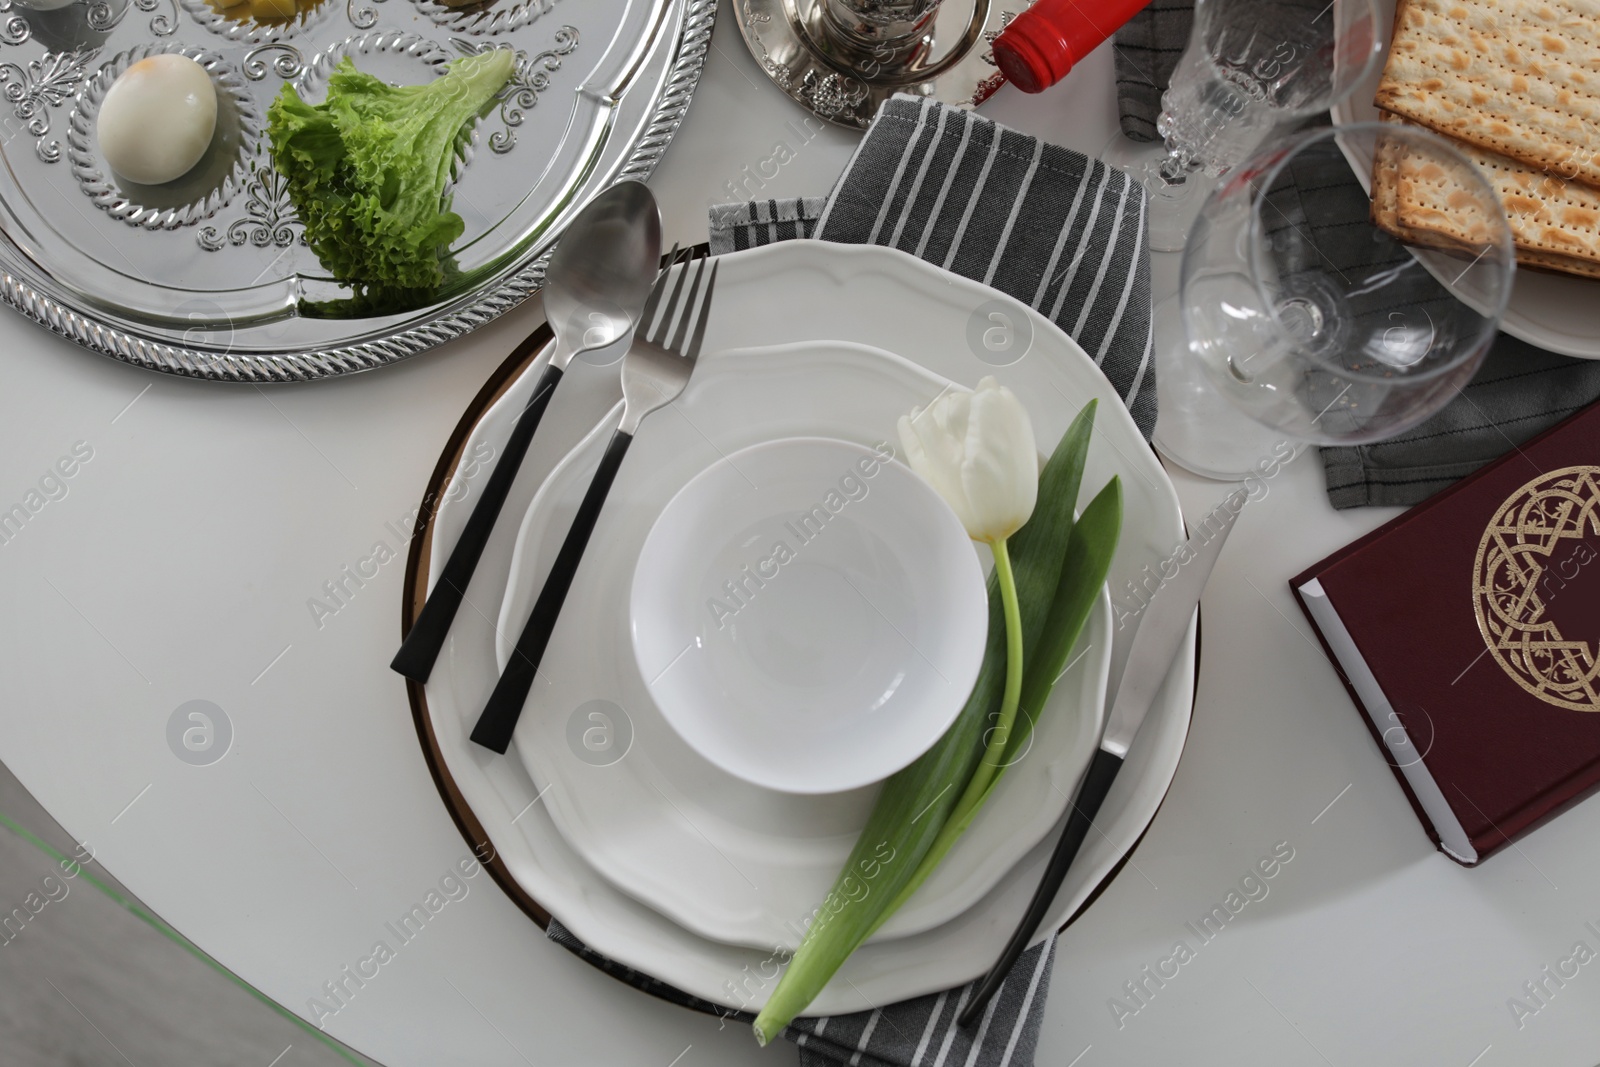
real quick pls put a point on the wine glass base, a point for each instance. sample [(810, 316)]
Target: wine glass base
[(1199, 429), (1254, 458), (1173, 206)]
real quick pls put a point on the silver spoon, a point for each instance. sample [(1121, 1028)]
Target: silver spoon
[(596, 284)]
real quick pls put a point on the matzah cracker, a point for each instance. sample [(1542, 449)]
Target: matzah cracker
[(1429, 197), (1388, 220), (1386, 202), (1516, 77), (1559, 264), (1555, 224)]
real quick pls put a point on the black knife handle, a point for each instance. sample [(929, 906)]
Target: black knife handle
[(1096, 784), (499, 719), (425, 639)]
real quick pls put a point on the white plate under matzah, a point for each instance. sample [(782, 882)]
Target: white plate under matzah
[(1553, 311)]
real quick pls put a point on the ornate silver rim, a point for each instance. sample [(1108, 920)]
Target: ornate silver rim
[(682, 78)]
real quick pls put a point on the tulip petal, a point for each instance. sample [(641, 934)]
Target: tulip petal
[(977, 450), (1000, 474), (934, 454)]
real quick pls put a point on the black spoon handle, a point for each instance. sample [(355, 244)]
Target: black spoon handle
[(426, 637), (1096, 784), (499, 719)]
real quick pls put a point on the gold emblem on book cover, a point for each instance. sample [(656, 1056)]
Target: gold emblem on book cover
[(1531, 553)]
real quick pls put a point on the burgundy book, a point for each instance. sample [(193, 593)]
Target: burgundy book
[(1467, 631)]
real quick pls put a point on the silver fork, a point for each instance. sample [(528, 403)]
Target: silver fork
[(654, 372)]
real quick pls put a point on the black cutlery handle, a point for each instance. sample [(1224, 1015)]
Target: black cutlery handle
[(500, 714), (1096, 784), (423, 641)]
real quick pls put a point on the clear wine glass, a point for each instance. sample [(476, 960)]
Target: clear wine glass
[(1250, 67), (1305, 321)]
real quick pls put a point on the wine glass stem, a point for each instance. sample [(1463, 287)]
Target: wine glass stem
[(1176, 166)]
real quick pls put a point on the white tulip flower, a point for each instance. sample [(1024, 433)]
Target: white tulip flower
[(977, 450)]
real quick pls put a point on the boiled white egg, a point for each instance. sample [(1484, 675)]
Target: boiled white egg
[(157, 119)]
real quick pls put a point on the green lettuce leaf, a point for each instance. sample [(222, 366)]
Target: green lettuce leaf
[(368, 171)]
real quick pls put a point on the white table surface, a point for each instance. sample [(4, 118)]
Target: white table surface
[(180, 564)]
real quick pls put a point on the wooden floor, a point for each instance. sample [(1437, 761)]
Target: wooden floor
[(87, 983)]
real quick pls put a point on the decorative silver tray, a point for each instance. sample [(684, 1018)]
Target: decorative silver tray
[(203, 276)]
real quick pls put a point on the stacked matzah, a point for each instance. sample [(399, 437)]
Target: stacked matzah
[(1517, 84)]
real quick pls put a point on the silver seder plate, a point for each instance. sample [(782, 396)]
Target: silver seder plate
[(203, 276)]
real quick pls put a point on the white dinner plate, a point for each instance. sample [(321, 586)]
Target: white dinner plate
[(789, 292), (727, 860), (1556, 311)]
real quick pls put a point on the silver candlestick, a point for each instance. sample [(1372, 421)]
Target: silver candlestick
[(840, 59)]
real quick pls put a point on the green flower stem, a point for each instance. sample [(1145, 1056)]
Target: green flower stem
[(995, 744), (1083, 573), (990, 766), (914, 823)]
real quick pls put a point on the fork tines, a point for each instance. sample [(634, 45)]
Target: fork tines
[(678, 309)]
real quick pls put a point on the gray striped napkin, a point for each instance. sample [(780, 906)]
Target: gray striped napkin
[(1050, 227), (913, 1033), (1520, 391), (1062, 233)]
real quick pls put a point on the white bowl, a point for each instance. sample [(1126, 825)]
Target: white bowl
[(809, 615)]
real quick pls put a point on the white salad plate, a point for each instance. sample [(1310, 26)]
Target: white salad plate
[(767, 296), (1554, 311), (809, 614), (727, 860)]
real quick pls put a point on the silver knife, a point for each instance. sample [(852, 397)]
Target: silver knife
[(1155, 646)]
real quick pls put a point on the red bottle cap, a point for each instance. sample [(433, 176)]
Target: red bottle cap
[(1044, 42)]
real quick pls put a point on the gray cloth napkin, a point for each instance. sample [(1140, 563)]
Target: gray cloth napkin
[(1144, 53), (913, 1033), (1061, 233), (1058, 231), (1520, 391)]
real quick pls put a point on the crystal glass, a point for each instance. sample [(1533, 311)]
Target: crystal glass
[(1250, 67), (1304, 321)]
